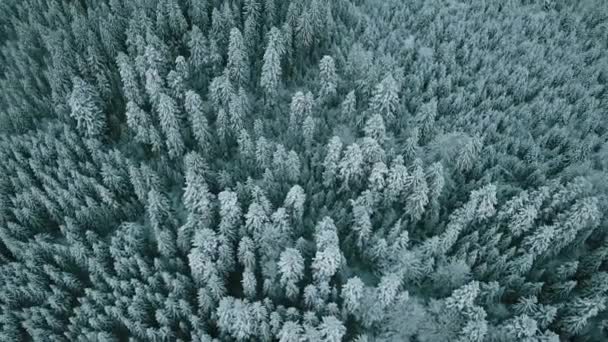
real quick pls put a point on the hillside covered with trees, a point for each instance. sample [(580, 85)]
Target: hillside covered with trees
[(304, 170)]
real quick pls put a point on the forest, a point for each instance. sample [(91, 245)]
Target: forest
[(304, 170)]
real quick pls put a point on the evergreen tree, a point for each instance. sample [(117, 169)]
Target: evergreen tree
[(130, 82), (198, 121), (291, 268), (398, 180), (238, 67), (271, 69), (418, 197), (426, 119), (331, 329), (301, 107), (332, 160), (141, 123), (85, 106), (351, 165), (328, 77), (349, 108), (385, 98), (170, 124)]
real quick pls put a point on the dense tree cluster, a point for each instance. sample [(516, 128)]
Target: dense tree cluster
[(303, 170)]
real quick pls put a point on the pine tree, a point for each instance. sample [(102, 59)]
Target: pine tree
[(349, 109), (293, 166), (177, 78), (372, 152), (256, 220), (328, 258), (468, 155), (85, 106), (235, 318), (198, 12), (352, 294), (170, 19), (351, 165), (374, 128), (198, 47), (295, 199), (221, 91), (362, 225), (197, 198), (398, 180), (301, 107), (238, 62), (418, 198), (580, 311), (237, 109), (388, 288), (291, 268), (377, 178), (246, 148), (271, 69), (230, 213), (426, 119), (163, 222), (198, 121), (169, 122), (308, 131), (290, 332), (328, 78), (141, 123), (305, 30), (332, 160), (331, 329), (385, 98), (249, 283), (130, 82), (263, 153)]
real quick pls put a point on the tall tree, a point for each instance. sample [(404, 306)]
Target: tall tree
[(86, 109), (238, 62), (385, 98), (170, 124), (328, 78), (271, 69)]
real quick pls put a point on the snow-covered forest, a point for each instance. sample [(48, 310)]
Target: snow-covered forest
[(304, 170)]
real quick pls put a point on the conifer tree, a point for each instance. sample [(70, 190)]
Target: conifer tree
[(170, 124), (141, 123), (328, 77), (332, 160), (85, 106), (198, 121), (331, 329), (349, 107), (291, 268), (397, 181), (238, 67), (271, 69), (351, 165), (418, 197), (385, 98), (130, 83)]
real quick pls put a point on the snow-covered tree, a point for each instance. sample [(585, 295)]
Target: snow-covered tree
[(291, 268), (328, 77), (271, 69), (238, 66), (85, 105), (385, 99)]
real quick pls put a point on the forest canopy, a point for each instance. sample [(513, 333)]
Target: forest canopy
[(304, 170)]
